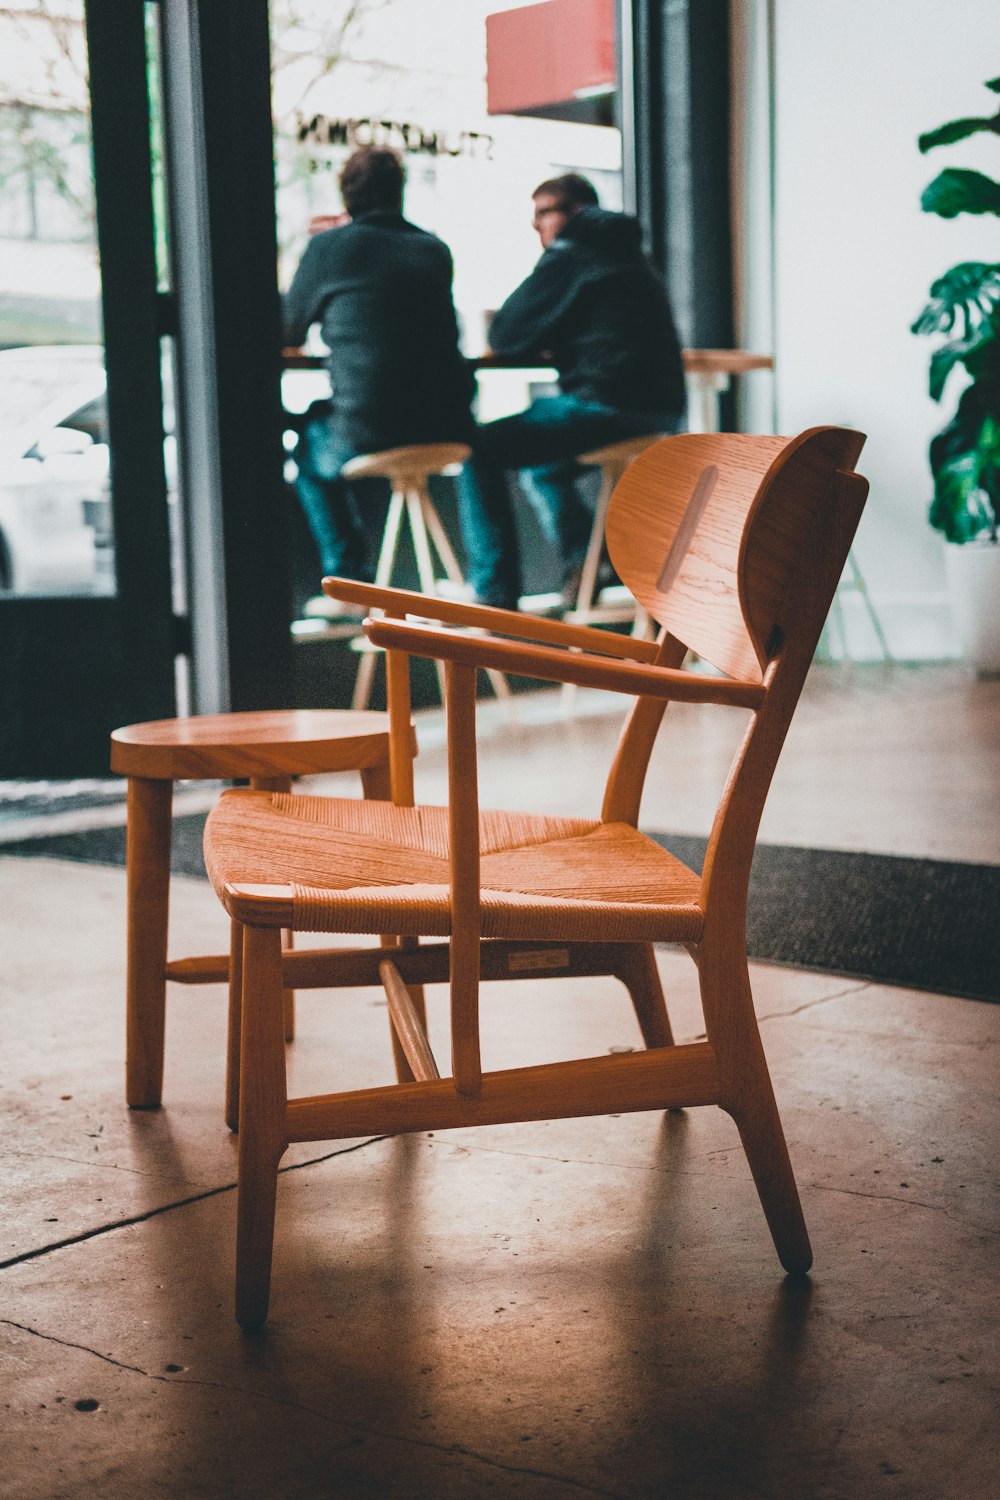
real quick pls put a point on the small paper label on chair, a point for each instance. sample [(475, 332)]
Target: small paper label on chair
[(541, 958)]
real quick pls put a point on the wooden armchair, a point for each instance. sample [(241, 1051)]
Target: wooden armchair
[(735, 545)]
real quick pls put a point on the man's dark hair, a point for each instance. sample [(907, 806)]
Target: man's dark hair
[(571, 190), (372, 179)]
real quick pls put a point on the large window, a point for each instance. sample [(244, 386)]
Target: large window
[(419, 75), (55, 516), (56, 531)]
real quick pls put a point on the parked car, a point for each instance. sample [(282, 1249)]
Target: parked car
[(56, 534), (55, 514)]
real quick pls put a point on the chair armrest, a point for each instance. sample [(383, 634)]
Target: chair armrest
[(399, 602), (552, 665)]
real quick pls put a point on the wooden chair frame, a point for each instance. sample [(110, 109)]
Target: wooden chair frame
[(799, 506)]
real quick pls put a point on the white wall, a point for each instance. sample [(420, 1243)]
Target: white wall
[(855, 83)]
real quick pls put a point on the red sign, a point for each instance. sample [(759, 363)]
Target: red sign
[(549, 54)]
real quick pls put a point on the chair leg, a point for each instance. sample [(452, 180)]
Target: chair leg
[(263, 1120), (749, 1098), (764, 1143), (640, 976), (234, 1026), (404, 1073), (277, 784), (148, 896), (288, 996), (376, 783)]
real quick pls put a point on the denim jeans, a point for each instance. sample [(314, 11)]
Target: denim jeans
[(335, 507), (542, 442)]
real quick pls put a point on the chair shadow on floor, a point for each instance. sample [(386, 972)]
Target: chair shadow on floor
[(687, 1402)]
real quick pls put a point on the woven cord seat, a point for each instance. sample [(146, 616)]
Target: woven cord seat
[(356, 869), (734, 545)]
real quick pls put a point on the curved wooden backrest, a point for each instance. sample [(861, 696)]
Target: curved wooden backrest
[(784, 526), (706, 528)]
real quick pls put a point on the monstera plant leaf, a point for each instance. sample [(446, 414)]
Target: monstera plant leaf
[(944, 360), (965, 459), (971, 290), (969, 296), (957, 190), (964, 306), (960, 130)]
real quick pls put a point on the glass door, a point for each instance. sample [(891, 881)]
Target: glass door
[(86, 619)]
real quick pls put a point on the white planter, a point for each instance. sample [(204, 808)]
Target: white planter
[(973, 572)]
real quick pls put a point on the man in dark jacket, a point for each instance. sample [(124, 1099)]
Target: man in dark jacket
[(380, 289), (595, 309)]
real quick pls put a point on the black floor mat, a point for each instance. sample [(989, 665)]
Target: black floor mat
[(927, 923)]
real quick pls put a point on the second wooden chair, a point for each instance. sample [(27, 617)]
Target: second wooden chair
[(266, 748)]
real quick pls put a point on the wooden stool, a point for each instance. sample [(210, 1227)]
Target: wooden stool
[(588, 610), (408, 470), (268, 748), (611, 606)]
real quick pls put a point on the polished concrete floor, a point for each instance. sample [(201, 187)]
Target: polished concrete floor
[(537, 1310)]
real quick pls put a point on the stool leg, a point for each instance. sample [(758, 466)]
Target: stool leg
[(375, 782), (591, 564), (499, 684), (415, 497), (862, 588), (643, 629), (148, 894), (449, 561), (383, 578), (363, 681), (390, 540), (595, 547), (440, 539)]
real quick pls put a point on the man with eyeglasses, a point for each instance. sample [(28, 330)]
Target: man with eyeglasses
[(595, 309)]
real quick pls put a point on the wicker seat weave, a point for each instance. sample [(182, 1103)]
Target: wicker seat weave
[(379, 868)]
